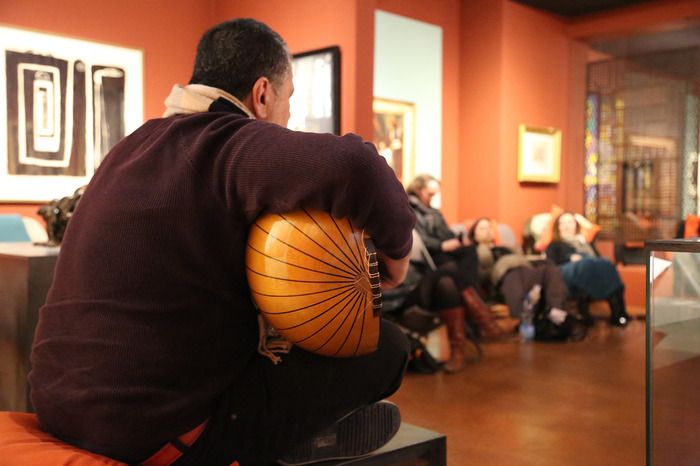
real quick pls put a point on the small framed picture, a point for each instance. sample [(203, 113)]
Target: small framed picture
[(394, 135), (539, 154)]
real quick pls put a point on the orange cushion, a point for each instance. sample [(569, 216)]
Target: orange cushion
[(589, 230), (23, 443), (692, 226)]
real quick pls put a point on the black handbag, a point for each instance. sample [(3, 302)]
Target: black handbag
[(572, 329)]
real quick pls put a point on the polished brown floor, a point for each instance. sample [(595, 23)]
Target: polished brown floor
[(540, 404)]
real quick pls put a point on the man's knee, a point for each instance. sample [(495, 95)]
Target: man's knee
[(393, 350), (393, 340)]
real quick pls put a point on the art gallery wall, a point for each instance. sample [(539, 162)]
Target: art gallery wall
[(311, 24), (520, 65), (444, 15), (481, 93), (525, 70), (167, 32), (408, 68)]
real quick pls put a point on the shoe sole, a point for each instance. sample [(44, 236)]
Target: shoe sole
[(358, 434)]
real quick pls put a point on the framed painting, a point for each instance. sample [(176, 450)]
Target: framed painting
[(539, 154), (65, 103), (315, 104), (394, 135)]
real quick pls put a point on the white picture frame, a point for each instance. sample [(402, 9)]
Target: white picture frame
[(65, 102)]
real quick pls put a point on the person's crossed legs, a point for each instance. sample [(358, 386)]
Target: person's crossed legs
[(273, 408)]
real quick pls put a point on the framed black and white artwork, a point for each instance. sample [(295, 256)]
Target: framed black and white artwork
[(65, 103), (315, 104)]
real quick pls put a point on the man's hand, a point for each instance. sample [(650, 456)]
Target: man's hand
[(393, 271), (575, 257)]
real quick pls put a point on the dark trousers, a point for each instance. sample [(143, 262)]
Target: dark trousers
[(518, 281), (463, 261), (272, 408)]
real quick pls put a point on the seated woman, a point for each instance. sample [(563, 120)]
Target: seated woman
[(451, 255), (504, 270), (587, 275)]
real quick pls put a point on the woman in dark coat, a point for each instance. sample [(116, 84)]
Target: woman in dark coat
[(456, 264), (588, 276)]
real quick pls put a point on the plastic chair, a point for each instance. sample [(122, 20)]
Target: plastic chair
[(12, 229)]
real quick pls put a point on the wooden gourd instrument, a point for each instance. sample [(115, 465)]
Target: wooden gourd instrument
[(314, 278)]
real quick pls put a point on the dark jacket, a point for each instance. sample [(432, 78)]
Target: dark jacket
[(431, 225), (150, 318), (560, 252)]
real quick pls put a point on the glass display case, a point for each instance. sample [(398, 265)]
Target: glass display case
[(673, 352)]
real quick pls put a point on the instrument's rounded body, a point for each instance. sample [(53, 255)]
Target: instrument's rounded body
[(314, 279)]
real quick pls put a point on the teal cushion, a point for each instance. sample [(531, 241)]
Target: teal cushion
[(12, 229)]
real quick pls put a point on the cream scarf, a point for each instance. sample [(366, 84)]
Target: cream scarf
[(197, 98)]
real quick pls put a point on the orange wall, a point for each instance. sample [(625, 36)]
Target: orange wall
[(167, 32), (504, 64), (518, 73), (481, 48), (442, 13), (312, 24), (520, 65), (535, 81)]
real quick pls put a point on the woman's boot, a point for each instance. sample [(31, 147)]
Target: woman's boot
[(480, 315), (454, 319), (618, 312)]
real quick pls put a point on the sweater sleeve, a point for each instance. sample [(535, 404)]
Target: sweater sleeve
[(277, 170)]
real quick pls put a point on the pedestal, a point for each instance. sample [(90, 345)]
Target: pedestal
[(411, 446), (26, 272)]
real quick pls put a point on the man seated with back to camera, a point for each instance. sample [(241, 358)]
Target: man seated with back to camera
[(149, 331)]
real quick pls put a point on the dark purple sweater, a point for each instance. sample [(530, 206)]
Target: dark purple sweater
[(149, 317)]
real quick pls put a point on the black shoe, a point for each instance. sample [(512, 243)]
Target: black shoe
[(618, 312), (358, 434), (620, 321)]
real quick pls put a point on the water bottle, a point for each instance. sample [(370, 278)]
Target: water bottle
[(527, 324)]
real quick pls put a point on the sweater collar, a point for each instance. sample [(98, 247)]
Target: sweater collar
[(195, 98)]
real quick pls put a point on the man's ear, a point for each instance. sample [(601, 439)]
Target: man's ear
[(260, 98)]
